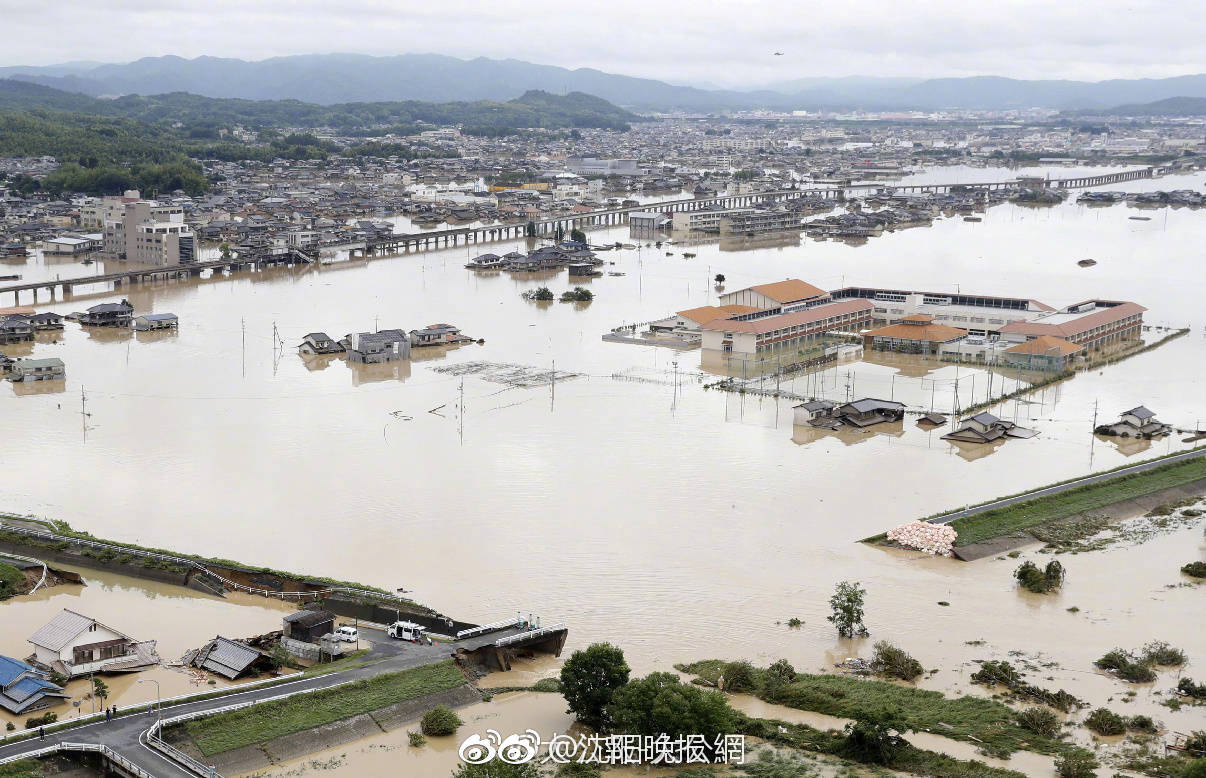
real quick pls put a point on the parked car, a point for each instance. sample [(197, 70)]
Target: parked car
[(347, 634), (406, 630)]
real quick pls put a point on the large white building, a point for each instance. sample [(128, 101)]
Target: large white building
[(148, 233), (978, 314)]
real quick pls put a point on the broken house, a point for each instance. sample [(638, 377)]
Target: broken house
[(1138, 422), (156, 321), (228, 658), (869, 411), (986, 428), (24, 688), (436, 335), (72, 644)]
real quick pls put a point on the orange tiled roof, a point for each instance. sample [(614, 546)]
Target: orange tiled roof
[(707, 313), (788, 291), (805, 316), (1044, 344)]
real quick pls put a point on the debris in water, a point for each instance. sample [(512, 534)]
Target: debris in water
[(525, 376)]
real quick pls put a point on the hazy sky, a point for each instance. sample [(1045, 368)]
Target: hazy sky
[(691, 41)]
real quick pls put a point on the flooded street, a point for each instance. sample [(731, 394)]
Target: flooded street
[(677, 522)]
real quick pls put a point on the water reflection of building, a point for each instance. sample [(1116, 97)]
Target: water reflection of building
[(370, 373), (1128, 447), (804, 434), (768, 241), (973, 451)]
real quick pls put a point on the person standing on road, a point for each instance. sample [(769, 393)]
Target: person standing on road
[(41, 733)]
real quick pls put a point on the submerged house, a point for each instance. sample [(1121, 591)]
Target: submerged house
[(436, 335), (486, 262), (48, 369), (109, 315), (1138, 422), (46, 321), (986, 428), (16, 329), (806, 412), (374, 347), (156, 321), (869, 411), (72, 644), (24, 688), (319, 343)]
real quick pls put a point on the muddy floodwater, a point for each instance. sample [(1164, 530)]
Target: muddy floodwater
[(626, 501)]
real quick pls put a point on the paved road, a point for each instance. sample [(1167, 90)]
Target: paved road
[(949, 517), (125, 735)]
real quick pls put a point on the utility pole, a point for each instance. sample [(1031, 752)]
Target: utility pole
[(243, 327), (84, 412), (461, 415), (1095, 414)]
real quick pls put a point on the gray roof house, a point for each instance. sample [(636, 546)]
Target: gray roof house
[(1138, 422), (380, 346), (226, 657)]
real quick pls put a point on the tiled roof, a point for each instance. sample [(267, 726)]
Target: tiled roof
[(805, 316), (788, 291), (60, 630)]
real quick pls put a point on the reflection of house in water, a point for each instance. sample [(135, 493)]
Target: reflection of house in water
[(973, 451), (1138, 422), (803, 434), (369, 373), (1128, 447), (986, 428)]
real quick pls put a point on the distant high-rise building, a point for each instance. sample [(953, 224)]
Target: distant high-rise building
[(148, 233)]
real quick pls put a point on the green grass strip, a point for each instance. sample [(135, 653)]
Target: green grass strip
[(987, 723), (1014, 518), (259, 723)]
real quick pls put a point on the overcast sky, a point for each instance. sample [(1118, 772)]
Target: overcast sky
[(686, 41)]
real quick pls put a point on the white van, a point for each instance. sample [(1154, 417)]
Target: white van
[(347, 634), (406, 630)]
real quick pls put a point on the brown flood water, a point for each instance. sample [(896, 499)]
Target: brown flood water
[(679, 524)]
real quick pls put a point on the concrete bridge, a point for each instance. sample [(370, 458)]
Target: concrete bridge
[(464, 236), (150, 274)]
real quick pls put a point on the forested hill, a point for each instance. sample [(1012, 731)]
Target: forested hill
[(533, 109)]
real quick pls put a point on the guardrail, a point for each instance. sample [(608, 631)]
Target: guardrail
[(99, 748), (493, 626), (176, 755), (522, 636)]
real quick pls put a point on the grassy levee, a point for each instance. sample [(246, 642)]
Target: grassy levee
[(1020, 516), (259, 723), (988, 723)]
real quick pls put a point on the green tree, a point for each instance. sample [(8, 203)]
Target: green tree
[(100, 689), (847, 606), (10, 580), (224, 250), (543, 293), (590, 678), (720, 278), (739, 677), (578, 235), (876, 735), (1196, 769), (660, 704)]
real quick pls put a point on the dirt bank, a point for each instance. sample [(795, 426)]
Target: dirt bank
[(337, 733), (1123, 509)]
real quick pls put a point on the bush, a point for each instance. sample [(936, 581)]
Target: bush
[(997, 673), (10, 580), (1039, 721), (589, 679), (440, 721), (1196, 769), (1196, 743), (1195, 569), (9, 726), (1187, 687), (41, 721), (1105, 722), (543, 293), (416, 739), (875, 736), (497, 768), (1126, 667), (1040, 581), (1142, 723), (739, 677), (579, 770), (1076, 763), (895, 663), (1161, 653), (577, 295)]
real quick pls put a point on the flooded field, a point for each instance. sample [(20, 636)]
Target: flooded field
[(628, 502)]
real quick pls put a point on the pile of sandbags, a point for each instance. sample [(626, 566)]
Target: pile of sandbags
[(921, 535)]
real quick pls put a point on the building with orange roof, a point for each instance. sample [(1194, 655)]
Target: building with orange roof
[(689, 321), (778, 297), (757, 336), (1045, 352), (979, 314), (916, 334), (1093, 324)]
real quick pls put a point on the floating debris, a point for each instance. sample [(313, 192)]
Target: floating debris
[(1087, 262), (525, 376)]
